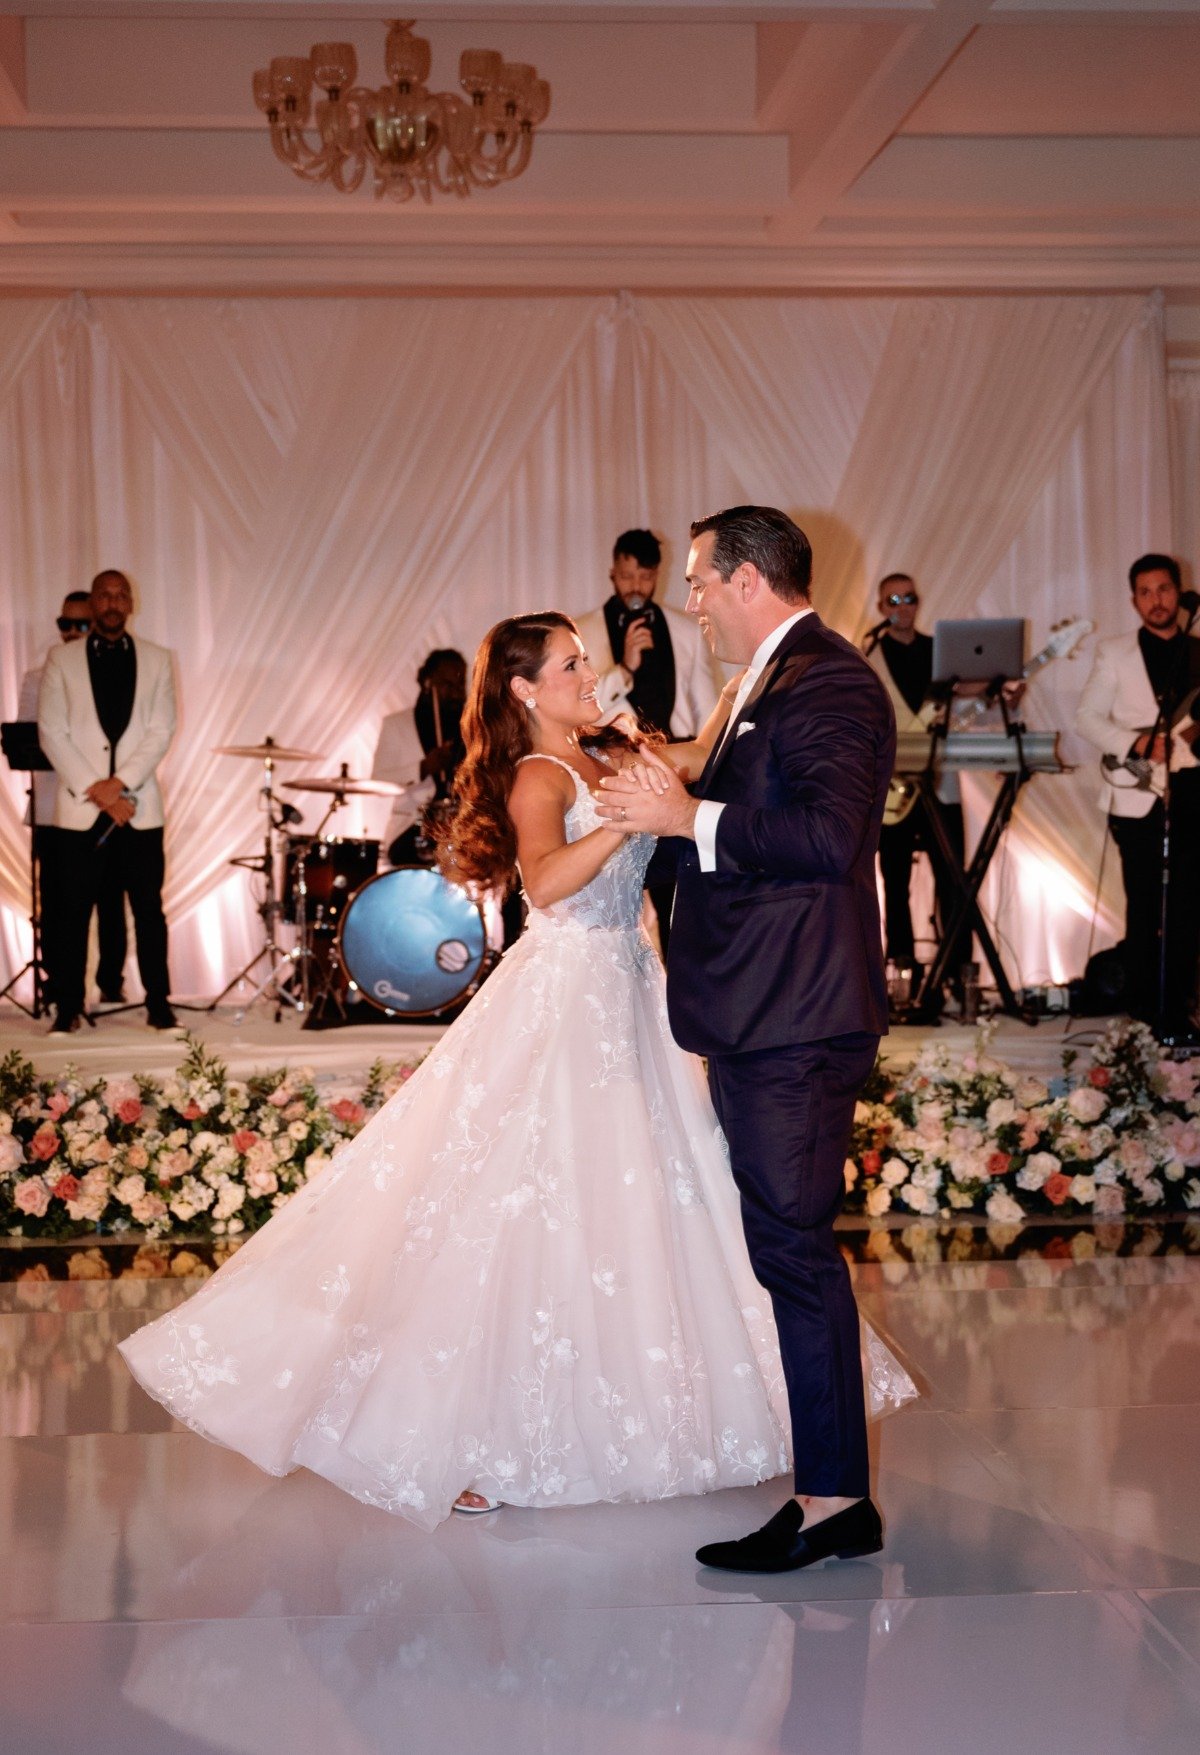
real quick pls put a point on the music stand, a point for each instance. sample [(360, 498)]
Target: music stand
[(24, 755)]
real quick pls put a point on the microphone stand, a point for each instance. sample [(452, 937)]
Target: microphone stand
[(1178, 687)]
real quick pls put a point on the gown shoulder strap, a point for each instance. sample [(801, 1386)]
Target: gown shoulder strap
[(538, 756)]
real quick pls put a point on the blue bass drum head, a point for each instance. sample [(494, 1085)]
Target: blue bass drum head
[(412, 942)]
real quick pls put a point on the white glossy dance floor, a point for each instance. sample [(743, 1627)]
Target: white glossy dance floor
[(1040, 1589)]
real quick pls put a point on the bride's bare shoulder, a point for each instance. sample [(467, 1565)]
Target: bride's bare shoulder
[(540, 780)]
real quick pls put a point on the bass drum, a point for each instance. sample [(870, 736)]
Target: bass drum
[(412, 943)]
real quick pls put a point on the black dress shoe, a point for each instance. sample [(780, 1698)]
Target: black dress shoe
[(784, 1545), (116, 997), (64, 1023), (161, 1017)]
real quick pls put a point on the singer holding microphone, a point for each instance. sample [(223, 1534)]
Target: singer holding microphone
[(106, 717), (651, 661)]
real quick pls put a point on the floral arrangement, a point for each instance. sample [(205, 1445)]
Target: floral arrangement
[(204, 1156), (957, 1135), (200, 1154)]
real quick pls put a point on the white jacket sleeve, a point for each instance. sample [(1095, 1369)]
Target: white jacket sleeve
[(74, 767), (1093, 717)]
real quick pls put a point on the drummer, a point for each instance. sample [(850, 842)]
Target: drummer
[(420, 749)]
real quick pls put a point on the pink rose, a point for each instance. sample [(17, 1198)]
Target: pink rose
[(44, 1143), (243, 1139), (1029, 1136), (129, 1111), (67, 1187), (12, 1154), (58, 1105), (280, 1098), (349, 1112), (191, 1111), (32, 1197), (1110, 1200)]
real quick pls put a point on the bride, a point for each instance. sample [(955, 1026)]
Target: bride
[(525, 1280)]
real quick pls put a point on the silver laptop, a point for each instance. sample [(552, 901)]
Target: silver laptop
[(978, 651)]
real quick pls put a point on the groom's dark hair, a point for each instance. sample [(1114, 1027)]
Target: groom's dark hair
[(769, 540)]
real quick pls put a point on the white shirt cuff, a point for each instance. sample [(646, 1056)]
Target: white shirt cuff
[(708, 815)]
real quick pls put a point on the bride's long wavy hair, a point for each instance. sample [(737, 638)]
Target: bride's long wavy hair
[(479, 845)]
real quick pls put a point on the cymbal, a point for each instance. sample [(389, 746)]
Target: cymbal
[(269, 751), (345, 784)]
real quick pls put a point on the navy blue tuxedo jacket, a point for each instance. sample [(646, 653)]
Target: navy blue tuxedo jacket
[(781, 944)]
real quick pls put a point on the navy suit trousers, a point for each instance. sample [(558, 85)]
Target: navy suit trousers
[(788, 1114)]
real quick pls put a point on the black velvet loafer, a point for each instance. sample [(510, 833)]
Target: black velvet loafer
[(784, 1545)]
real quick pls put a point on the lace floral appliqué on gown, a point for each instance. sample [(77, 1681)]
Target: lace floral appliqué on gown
[(526, 1275)]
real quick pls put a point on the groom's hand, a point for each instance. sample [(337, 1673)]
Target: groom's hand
[(648, 798)]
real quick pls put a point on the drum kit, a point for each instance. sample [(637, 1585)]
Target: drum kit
[(406, 941)]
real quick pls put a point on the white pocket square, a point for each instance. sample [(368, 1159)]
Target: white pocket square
[(744, 727)]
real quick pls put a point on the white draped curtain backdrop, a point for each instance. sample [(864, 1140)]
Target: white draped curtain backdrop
[(308, 494)]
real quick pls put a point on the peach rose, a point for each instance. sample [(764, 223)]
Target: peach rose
[(1056, 1188), (58, 1105), (44, 1143), (244, 1138), (129, 1111), (350, 1113), (66, 1188), (32, 1197)]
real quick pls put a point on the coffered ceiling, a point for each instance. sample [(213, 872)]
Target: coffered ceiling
[(743, 144)]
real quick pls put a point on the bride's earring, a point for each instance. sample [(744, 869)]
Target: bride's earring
[(530, 703)]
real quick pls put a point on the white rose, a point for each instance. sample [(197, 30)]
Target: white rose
[(284, 1148), (894, 1172), (1031, 1093), (1083, 1190), (1003, 1209), (1086, 1103), (878, 1201), (130, 1189), (1107, 1171), (1174, 1170), (959, 1197), (1001, 1111), (176, 1138), (298, 1130), (921, 1200), (1036, 1168), (204, 1142)]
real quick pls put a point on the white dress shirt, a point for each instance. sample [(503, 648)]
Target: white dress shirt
[(708, 812)]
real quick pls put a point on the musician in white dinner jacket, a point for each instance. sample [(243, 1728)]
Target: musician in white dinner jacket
[(1117, 711), (106, 717), (651, 661)]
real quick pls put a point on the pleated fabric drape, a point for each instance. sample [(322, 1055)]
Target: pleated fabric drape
[(308, 493)]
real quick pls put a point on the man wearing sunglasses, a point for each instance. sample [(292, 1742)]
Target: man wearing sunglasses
[(903, 657), (74, 623)]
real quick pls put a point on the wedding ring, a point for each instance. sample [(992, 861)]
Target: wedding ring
[(624, 813)]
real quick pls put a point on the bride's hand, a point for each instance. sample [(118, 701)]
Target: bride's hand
[(648, 798)]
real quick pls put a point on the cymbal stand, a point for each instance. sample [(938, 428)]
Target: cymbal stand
[(279, 982)]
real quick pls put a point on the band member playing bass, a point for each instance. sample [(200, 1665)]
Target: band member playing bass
[(1142, 686), (903, 658)]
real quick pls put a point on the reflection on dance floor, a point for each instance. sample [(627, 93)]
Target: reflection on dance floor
[(1040, 1587)]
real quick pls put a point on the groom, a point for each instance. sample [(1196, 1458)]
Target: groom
[(776, 975)]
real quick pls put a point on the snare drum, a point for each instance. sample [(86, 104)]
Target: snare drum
[(333, 870), (412, 942)]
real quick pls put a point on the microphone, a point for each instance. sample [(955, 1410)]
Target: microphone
[(871, 639)]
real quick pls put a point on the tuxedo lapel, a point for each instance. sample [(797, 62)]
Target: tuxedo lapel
[(804, 628)]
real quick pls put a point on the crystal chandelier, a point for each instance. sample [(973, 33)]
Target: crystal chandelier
[(414, 140)]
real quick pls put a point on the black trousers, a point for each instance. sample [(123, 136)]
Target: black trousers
[(1139, 843), (54, 876), (898, 847), (131, 861), (787, 1114)]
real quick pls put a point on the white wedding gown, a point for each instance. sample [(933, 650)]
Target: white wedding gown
[(526, 1275)]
